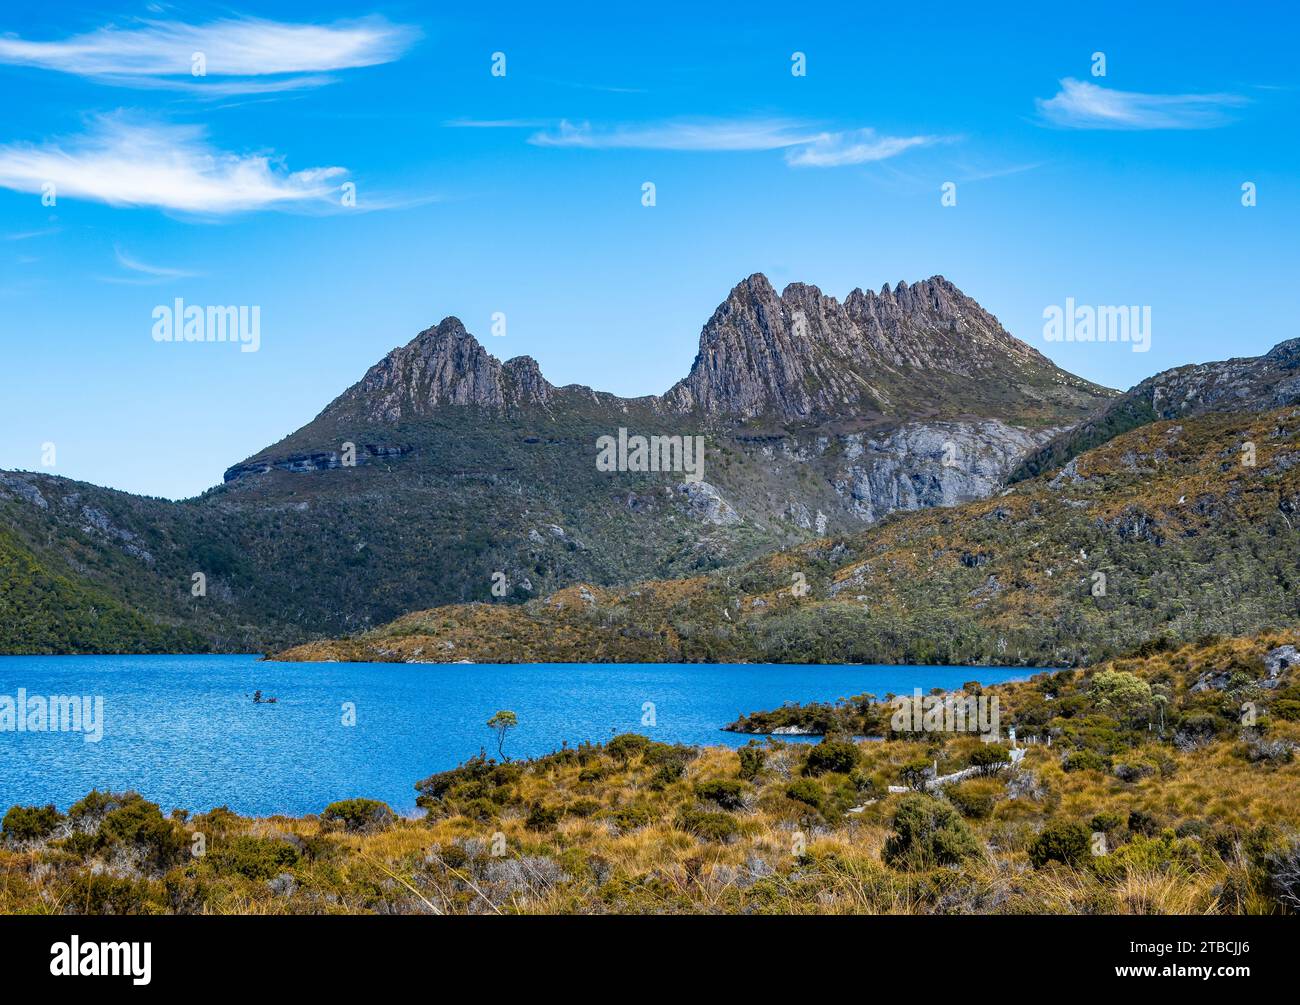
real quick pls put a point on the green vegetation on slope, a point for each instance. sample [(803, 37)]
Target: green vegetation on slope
[(1162, 531), (41, 612)]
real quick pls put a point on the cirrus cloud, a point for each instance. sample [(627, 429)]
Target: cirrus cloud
[(1081, 105), (853, 146), (172, 167), (805, 144), (160, 53)]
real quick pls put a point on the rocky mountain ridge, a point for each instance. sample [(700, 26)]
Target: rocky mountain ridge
[(444, 468)]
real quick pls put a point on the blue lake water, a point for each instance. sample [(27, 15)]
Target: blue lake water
[(184, 731)]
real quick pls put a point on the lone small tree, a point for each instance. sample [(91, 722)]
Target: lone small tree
[(502, 723)]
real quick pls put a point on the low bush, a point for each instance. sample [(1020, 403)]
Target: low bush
[(928, 832), (253, 857), (30, 823), (752, 759), (707, 826), (1085, 760), (726, 792), (840, 756), (1068, 843), (359, 816), (541, 817), (974, 799)]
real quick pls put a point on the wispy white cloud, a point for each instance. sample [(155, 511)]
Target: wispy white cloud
[(153, 273), (682, 134), (806, 144), (170, 167), (496, 123), (156, 53), (1083, 105), (27, 235), (853, 146)]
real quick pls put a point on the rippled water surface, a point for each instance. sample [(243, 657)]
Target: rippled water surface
[(184, 731)]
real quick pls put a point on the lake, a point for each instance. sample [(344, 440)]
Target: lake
[(185, 732)]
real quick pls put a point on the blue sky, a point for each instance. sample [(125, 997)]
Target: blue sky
[(522, 193)]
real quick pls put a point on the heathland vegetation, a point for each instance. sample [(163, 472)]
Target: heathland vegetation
[(1174, 529), (1160, 781)]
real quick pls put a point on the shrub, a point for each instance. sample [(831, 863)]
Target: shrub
[(30, 823), (1123, 695), (1061, 841), (870, 786), (478, 809), (1283, 869), (1106, 822), (832, 755), (915, 773), (102, 894), (752, 758), (87, 813), (726, 792), (805, 790), (1164, 853), (1134, 772), (624, 746), (1140, 822), (707, 826), (665, 775), (78, 844), (632, 816), (928, 832), (358, 815), (990, 758), (139, 826), (974, 799), (582, 808), (253, 857), (541, 817), (1085, 760), (1286, 708), (436, 787), (675, 754)]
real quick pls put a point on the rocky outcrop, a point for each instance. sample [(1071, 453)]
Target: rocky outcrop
[(803, 355), (1246, 384), (320, 460), (920, 465), (796, 356), (443, 365)]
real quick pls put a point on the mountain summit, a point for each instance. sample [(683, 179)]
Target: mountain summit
[(798, 356), (803, 355), (443, 365), (444, 469)]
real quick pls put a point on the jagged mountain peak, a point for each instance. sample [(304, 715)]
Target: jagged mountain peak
[(442, 365), (796, 355), (802, 354)]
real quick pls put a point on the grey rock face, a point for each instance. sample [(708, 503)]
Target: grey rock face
[(321, 460), (801, 355), (1249, 383), (1253, 383), (444, 365), (706, 504), (1277, 661), (920, 465), (15, 485)]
